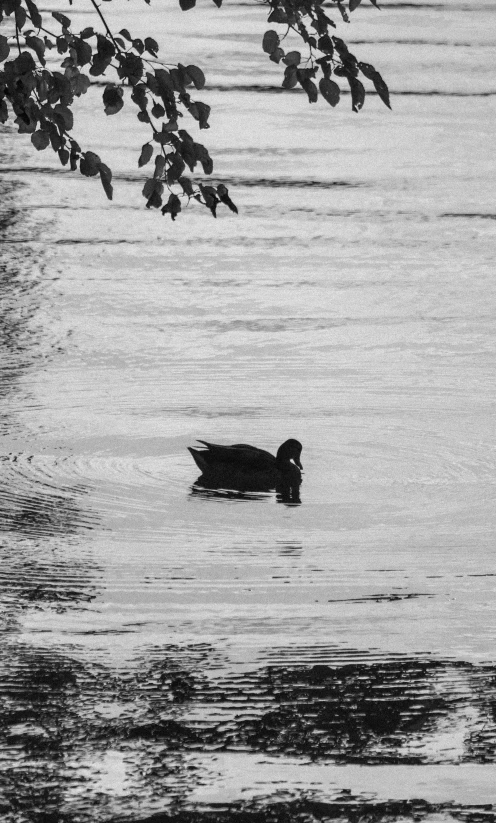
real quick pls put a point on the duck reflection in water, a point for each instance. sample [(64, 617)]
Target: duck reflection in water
[(245, 469)]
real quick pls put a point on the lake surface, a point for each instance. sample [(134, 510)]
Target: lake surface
[(176, 653)]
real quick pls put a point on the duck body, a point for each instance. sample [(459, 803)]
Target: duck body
[(242, 466)]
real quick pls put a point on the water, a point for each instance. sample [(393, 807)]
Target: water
[(172, 651)]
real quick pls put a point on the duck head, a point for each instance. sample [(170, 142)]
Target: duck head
[(289, 451)]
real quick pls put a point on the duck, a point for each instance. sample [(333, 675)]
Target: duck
[(242, 466)]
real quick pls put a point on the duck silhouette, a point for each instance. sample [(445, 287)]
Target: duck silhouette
[(248, 468)]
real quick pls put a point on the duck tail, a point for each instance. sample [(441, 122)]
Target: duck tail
[(199, 460)]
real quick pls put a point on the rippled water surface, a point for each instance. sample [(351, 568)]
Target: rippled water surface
[(175, 652)]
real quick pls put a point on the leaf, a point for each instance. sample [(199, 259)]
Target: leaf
[(55, 139), (223, 193), (293, 58), (151, 83), (305, 74), (381, 89), (270, 41), (20, 17), (152, 186), (186, 185), (62, 19), (193, 110), (4, 48), (203, 114), (173, 206), (87, 33), (276, 55), (105, 47), (40, 140), (146, 154), (24, 64), (99, 65), (38, 46), (367, 70), (90, 164), (374, 3), (164, 81), (73, 158), (187, 150), (325, 44), (151, 46), (218, 3), (177, 81), (209, 195), (162, 137), (155, 200), (176, 168), (138, 96), (112, 99), (158, 110), (325, 65), (42, 89), (106, 178), (83, 51), (330, 91), (159, 165), (278, 15), (187, 4), (63, 156), (9, 6), (66, 114), (203, 157), (130, 67), (34, 13), (353, 4), (126, 34), (311, 90), (171, 125), (197, 77), (323, 21), (25, 124), (62, 44), (357, 93), (148, 188), (80, 84), (380, 86), (290, 78), (185, 79)]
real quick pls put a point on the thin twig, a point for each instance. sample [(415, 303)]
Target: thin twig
[(17, 38), (102, 18)]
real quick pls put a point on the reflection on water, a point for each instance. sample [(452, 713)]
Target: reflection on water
[(286, 493), (176, 707), (168, 655)]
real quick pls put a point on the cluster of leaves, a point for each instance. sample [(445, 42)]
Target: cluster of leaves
[(327, 55), (40, 98)]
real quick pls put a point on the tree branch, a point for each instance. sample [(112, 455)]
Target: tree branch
[(102, 18)]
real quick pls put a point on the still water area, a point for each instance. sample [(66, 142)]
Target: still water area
[(176, 653)]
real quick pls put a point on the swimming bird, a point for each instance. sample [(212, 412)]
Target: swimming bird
[(246, 467)]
